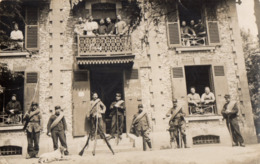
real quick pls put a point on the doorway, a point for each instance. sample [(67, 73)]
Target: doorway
[(199, 77), (107, 82)]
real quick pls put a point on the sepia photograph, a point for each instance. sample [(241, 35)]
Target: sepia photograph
[(130, 81)]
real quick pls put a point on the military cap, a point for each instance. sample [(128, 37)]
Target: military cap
[(227, 96), (140, 105), (57, 107), (34, 103)]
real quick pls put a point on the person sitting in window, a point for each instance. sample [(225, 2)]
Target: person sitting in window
[(17, 36), (186, 31), (110, 27), (192, 25), (200, 29), (102, 29), (193, 100), (207, 99), (13, 108), (90, 27), (79, 27), (120, 26)]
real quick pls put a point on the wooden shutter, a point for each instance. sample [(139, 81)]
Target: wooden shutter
[(173, 27), (133, 95), (179, 89), (31, 28), (220, 85), (81, 102), (31, 89)]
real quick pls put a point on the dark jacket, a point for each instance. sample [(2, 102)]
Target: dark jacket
[(178, 119), (35, 124), (60, 126), (13, 105), (121, 108), (102, 29), (232, 113), (110, 28)]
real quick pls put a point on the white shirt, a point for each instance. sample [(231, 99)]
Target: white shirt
[(90, 26), (15, 35)]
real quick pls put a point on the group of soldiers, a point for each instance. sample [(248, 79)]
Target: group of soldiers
[(90, 27), (141, 125)]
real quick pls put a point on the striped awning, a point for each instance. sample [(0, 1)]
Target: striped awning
[(90, 60)]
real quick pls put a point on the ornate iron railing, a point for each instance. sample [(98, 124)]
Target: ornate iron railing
[(193, 41), (104, 45)]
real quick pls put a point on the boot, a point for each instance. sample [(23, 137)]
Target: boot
[(185, 142), (178, 143), (28, 156), (149, 145), (234, 144), (242, 144)]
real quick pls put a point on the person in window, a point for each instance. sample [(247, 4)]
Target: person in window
[(57, 127), (207, 99), (90, 27), (117, 113), (177, 124), (229, 112), (200, 29), (17, 36), (193, 100), (79, 27), (102, 29), (13, 107), (35, 125), (192, 25), (120, 26), (110, 27), (186, 31)]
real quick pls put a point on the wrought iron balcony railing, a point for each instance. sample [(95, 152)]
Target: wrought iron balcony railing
[(104, 45)]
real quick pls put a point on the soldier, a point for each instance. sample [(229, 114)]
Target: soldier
[(34, 126), (13, 107), (177, 124), (57, 126), (97, 109), (229, 112), (141, 126), (117, 112)]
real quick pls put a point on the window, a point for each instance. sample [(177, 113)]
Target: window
[(10, 150), (206, 139), (10, 84), (192, 24), (104, 10), (200, 90)]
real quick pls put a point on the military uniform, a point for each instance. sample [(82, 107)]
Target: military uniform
[(229, 112), (140, 127), (120, 113), (177, 124), (33, 131), (15, 105)]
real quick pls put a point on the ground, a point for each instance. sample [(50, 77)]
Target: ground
[(197, 155)]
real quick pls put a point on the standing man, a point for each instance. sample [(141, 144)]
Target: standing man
[(193, 100), (13, 107), (141, 126), (34, 126), (97, 109), (57, 126), (110, 27), (230, 113), (177, 124), (120, 26), (117, 112), (91, 27)]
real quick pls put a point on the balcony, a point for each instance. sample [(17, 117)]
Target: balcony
[(104, 45)]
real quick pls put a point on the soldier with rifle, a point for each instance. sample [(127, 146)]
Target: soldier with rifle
[(33, 126), (230, 113), (117, 112), (177, 124), (95, 116)]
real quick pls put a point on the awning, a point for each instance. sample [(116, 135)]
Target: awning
[(96, 60)]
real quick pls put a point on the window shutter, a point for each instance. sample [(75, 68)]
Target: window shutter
[(31, 89), (133, 95), (173, 27), (220, 85), (179, 90), (31, 28), (81, 102), (213, 32)]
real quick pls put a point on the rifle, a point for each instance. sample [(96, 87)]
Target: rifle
[(82, 151), (229, 129), (117, 127), (95, 143), (104, 137), (27, 120)]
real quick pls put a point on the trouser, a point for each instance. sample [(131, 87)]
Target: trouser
[(33, 139), (93, 125), (234, 129), (58, 134), (120, 124), (146, 139), (176, 132)]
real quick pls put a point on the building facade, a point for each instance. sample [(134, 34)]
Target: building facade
[(152, 64)]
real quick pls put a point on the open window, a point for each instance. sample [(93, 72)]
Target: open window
[(104, 10)]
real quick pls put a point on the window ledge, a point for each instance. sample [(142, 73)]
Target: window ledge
[(11, 128), (14, 54), (203, 118), (195, 48)]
